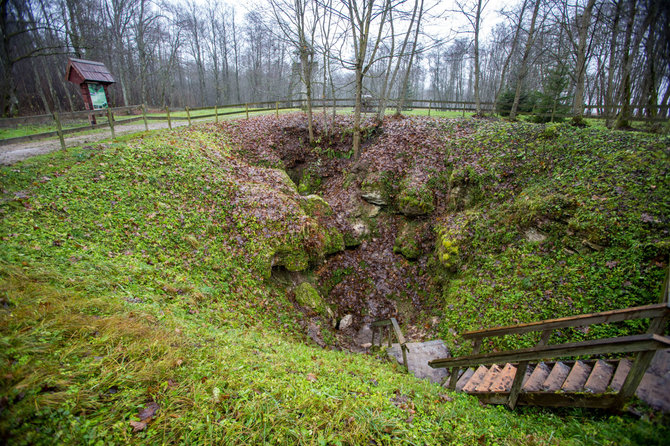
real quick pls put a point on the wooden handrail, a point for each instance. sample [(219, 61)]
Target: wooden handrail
[(391, 323), (645, 311), (624, 344)]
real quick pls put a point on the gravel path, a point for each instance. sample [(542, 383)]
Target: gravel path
[(13, 153)]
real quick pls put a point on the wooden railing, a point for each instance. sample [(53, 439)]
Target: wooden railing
[(392, 328), (644, 346)]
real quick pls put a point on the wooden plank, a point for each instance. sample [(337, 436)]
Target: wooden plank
[(645, 311), (553, 399), (624, 344)]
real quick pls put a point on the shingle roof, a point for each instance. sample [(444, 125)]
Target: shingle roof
[(91, 70)]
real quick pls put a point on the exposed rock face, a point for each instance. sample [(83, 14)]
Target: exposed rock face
[(415, 198), (307, 296), (346, 322), (408, 242), (533, 235), (373, 190)]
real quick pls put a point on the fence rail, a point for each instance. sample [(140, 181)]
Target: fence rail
[(369, 105)]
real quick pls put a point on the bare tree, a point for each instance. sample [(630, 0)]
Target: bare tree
[(363, 18)]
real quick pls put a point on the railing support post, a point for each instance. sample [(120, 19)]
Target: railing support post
[(516, 384), (453, 379), (167, 110), (60, 130), (430, 105), (403, 347), (188, 115), (277, 108), (246, 109), (635, 375), (216, 114)]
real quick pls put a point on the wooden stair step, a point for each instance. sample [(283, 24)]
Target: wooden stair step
[(556, 378), (488, 380), (476, 379), (577, 377), (465, 377), (620, 375), (537, 378), (600, 377), (503, 382)]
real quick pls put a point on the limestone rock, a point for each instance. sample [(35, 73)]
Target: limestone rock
[(307, 296), (415, 198), (346, 322), (535, 236), (315, 206)]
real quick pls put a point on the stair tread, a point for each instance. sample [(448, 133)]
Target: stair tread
[(503, 382), (620, 374), (537, 378), (475, 379), (600, 377), (464, 378), (489, 378), (577, 377), (556, 378)]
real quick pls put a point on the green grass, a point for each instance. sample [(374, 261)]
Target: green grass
[(135, 274), (598, 197)]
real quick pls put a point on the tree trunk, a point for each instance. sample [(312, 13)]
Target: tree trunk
[(624, 114), (578, 104), (609, 94), (523, 70), (478, 105)]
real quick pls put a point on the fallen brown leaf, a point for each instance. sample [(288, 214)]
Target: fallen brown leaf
[(138, 426)]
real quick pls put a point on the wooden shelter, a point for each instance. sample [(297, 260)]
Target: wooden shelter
[(93, 79)]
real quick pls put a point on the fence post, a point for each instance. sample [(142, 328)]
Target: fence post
[(110, 119), (167, 109), (246, 108), (216, 114), (60, 130), (430, 105), (464, 109), (188, 115), (144, 115), (277, 108)]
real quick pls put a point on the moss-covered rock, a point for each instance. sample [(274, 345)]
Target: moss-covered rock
[(408, 241), (307, 296), (358, 231), (293, 258), (375, 190), (415, 199), (334, 241), (450, 235), (315, 206)]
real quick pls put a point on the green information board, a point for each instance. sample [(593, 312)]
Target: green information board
[(98, 98)]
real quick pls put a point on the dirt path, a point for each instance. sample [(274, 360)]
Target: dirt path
[(13, 153)]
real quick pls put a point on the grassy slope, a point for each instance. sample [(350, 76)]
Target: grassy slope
[(129, 276), (601, 200)]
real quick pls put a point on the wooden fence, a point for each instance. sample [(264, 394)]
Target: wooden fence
[(594, 112)]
